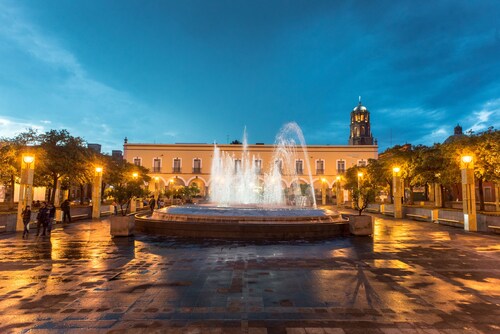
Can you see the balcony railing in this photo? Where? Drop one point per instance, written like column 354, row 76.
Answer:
column 176, row 169
column 196, row 170
column 320, row 171
column 156, row 169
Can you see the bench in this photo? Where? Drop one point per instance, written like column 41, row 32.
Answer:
column 107, row 213
column 80, row 216
column 372, row 210
column 450, row 222
column 3, row 228
column 388, row 213
column 417, row 217
column 495, row 229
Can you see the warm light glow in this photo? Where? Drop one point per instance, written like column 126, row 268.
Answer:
column 135, row 175
column 323, row 180
column 467, row 159
column 98, row 169
column 338, row 178
column 396, row 169
column 157, row 178
column 28, row 159
column 360, row 174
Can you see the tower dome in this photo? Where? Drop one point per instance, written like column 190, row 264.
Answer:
column 360, row 133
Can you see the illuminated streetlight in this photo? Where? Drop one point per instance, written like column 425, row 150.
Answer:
column 25, row 187
column 135, row 175
column 98, row 169
column 396, row 169
column 96, row 193
column 468, row 193
column 28, row 159
column 397, row 193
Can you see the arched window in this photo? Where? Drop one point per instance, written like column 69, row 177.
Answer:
column 362, row 130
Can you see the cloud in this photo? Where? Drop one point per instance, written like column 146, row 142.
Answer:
column 488, row 115
column 10, row 127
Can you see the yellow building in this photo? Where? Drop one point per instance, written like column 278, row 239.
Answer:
column 185, row 164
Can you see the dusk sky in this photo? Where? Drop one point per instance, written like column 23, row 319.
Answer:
column 199, row 71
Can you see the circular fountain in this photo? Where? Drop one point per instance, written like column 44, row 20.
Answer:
column 248, row 204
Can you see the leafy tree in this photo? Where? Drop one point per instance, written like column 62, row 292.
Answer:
column 363, row 189
column 123, row 184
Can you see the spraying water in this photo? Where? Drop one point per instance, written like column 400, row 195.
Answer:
column 240, row 180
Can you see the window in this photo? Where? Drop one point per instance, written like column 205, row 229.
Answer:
column 361, row 163
column 137, row 161
column 156, row 165
column 177, row 166
column 362, row 130
column 237, row 165
column 299, row 167
column 340, row 166
column 320, row 167
column 196, row 166
column 258, row 166
column 279, row 165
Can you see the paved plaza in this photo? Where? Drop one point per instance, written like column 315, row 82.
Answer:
column 411, row 277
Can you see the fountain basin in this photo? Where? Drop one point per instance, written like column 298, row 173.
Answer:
column 242, row 222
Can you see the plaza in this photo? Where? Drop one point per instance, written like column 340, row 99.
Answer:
column 409, row 277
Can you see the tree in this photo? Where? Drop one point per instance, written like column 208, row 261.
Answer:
column 61, row 155
column 363, row 189
column 126, row 181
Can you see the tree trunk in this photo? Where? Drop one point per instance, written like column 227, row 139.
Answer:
column 426, row 191
column 410, row 200
column 54, row 188
column 390, row 192
column 442, row 196
column 82, row 194
column 12, row 188
column 481, row 194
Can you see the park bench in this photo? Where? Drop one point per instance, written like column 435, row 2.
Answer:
column 374, row 210
column 495, row 229
column 3, row 228
column 80, row 216
column 450, row 222
column 107, row 213
column 388, row 213
column 417, row 217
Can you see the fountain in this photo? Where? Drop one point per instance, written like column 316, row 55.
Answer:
column 248, row 202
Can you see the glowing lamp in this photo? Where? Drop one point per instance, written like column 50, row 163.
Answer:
column 135, row 175
column 396, row 169
column 360, row 174
column 467, row 159
column 28, row 159
column 98, row 169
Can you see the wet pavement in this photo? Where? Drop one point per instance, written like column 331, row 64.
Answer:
column 411, row 277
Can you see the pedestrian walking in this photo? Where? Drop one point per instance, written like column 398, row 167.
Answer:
column 52, row 216
column 42, row 219
column 65, row 207
column 26, row 214
column 152, row 204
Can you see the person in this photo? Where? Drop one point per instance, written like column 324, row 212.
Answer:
column 52, row 216
column 152, row 203
column 115, row 206
column 42, row 219
column 37, row 204
column 66, row 211
column 26, row 214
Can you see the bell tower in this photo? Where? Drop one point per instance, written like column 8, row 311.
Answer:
column 360, row 126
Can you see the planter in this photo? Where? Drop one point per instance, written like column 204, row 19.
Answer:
column 121, row 226
column 361, row 225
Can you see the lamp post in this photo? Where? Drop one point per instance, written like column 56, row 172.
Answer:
column 323, row 191
column 340, row 193
column 468, row 193
column 397, row 193
column 25, row 187
column 157, row 189
column 133, row 201
column 96, row 193
column 360, row 200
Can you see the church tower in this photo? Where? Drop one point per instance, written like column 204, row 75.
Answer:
column 360, row 126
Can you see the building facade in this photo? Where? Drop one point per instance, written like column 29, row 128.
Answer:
column 361, row 133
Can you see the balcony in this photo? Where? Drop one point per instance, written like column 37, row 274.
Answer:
column 176, row 170
column 156, row 169
column 300, row 171
column 196, row 170
column 320, row 171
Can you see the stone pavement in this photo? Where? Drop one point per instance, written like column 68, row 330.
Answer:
column 411, row 277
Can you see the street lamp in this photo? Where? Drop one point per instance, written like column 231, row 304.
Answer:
column 340, row 194
column 96, row 193
column 397, row 193
column 323, row 191
column 468, row 193
column 133, row 200
column 25, row 187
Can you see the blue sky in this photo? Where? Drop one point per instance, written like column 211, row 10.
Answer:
column 199, row 71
